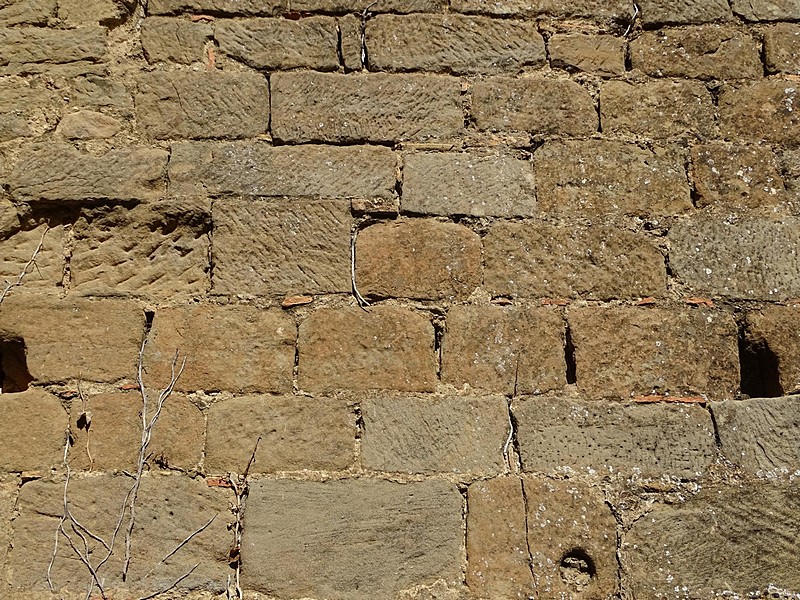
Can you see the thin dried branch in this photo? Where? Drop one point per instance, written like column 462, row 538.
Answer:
column 173, row 585
column 359, row 298
column 61, row 522
column 188, row 539
column 31, row 262
column 240, row 488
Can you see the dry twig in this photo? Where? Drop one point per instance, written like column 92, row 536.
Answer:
column 240, row 490
column 31, row 262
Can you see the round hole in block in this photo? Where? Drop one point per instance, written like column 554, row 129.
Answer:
column 577, row 569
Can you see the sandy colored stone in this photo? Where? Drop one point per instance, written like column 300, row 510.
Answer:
column 26, row 12
column 296, row 434
column 767, row 10
column 96, row 340
column 624, row 352
column 448, row 183
column 36, row 45
column 202, row 105
column 27, row 108
column 782, row 48
column 726, row 541
column 535, row 260
column 280, row 247
column 647, row 440
column 683, row 12
column 32, row 431
column 88, row 125
column 280, row 44
column 749, row 257
column 766, row 110
column 508, row 350
column 174, row 40
column 227, row 7
column 358, row 6
column 535, row 105
column 702, row 52
column 106, row 12
column 18, row 249
column 8, row 497
column 385, row 347
column 234, row 348
column 658, row 109
column 790, row 164
column 98, row 93
column 115, row 432
column 774, row 330
column 601, row 54
column 596, row 9
column 453, row 434
column 375, row 107
column 350, row 539
column 350, row 36
column 258, row 169
column 418, row 258
column 452, row 44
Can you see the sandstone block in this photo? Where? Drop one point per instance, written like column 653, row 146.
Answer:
column 782, row 48
column 750, row 257
column 234, row 348
column 535, row 105
column 418, row 258
column 766, row 110
column 88, row 125
column 350, row 539
column 650, row 440
column 392, row 6
column 454, row 434
column 351, row 47
column 174, row 40
column 683, row 12
column 774, row 330
column 18, row 249
column 452, row 44
column 279, row 247
column 790, row 164
column 767, row 10
column 96, row 340
column 32, row 431
column 596, row 9
column 657, row 109
column 383, row 348
column 508, row 350
column 39, row 45
column 100, row 93
column 202, row 105
column 227, row 7
column 576, row 178
column 8, row 498
column 601, row 54
column 622, row 352
column 309, row 107
column 160, row 249
column 281, row 44
column 110, row 13
column 706, row 546
column 54, row 171
column 702, row 52
column 26, row 12
column 450, row 183
column 541, row 260
column 257, row 169
column 27, row 108
column 296, row 434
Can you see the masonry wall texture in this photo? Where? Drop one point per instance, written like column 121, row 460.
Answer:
column 488, row 299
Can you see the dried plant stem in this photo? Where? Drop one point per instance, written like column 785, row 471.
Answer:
column 31, row 262
column 171, row 586
column 240, row 488
column 188, row 539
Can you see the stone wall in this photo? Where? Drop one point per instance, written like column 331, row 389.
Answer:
column 508, row 291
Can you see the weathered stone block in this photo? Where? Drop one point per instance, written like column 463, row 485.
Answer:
column 454, row 434
column 541, row 260
column 450, row 183
column 88, row 125
column 383, row 348
column 280, row 44
column 535, row 105
column 9, row 487
column 452, row 44
column 278, row 247
column 26, row 12
column 418, row 258
column 27, row 108
column 648, row 440
column 100, row 93
column 309, row 107
column 774, row 329
column 351, row 46
column 766, row 110
column 18, row 249
column 504, row 349
column 202, row 105
column 350, row 539
column 110, row 13
column 32, row 431
column 39, row 45
column 227, row 7
column 682, row 12
column 767, row 10
column 782, row 48
column 600, row 54
column 750, row 257
column 596, row 9
column 392, row 6
column 234, row 348
column 296, row 434
column 174, row 40
column 622, row 352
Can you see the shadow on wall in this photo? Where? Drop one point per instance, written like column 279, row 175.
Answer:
column 14, row 375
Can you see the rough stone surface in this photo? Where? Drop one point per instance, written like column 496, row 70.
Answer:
column 765, row 110
column 681, row 12
column 647, row 440
column 468, row 184
column 622, row 352
column 541, row 260
column 774, row 330
column 350, row 539
column 658, row 109
column 100, row 93
column 174, row 40
column 291, row 246
column 600, row 54
column 576, row 178
column 105, row 12
column 309, row 107
column 454, row 434
column 27, row 108
column 26, row 12
column 782, row 48
column 8, row 498
column 32, row 431
column 350, row 35
column 732, row 539
column 504, row 349
column 384, row 348
column 202, row 105
column 749, row 257
column 228, row 7
column 234, row 348
column 18, row 249
column 296, row 434
column 418, row 258
column 277, row 44
column 37, row 45
column 703, row 52
column 597, row 9
column 452, row 44
column 535, row 105
column 88, row 125
column 358, row 6
column 257, row 169
column 767, row 10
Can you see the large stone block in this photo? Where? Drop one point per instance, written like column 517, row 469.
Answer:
column 596, row 9
column 600, row 54
column 41, row 45
column 26, row 12
column 782, row 48
column 681, row 12
column 27, row 108
column 110, row 13
column 359, row 6
column 767, row 10
column 18, row 249
column 227, row 7
column 100, row 93
column 762, row 111
column 174, row 40
column 32, row 432
column 88, row 125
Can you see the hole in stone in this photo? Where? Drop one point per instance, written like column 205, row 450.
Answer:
column 14, row 375
column 569, row 357
column 577, row 569
column 758, row 366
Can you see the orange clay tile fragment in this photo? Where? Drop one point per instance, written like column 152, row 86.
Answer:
column 196, row 18
column 646, row 301
column 679, row 399
column 291, row 301
column 129, row 386
column 700, row 301
column 218, row 482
